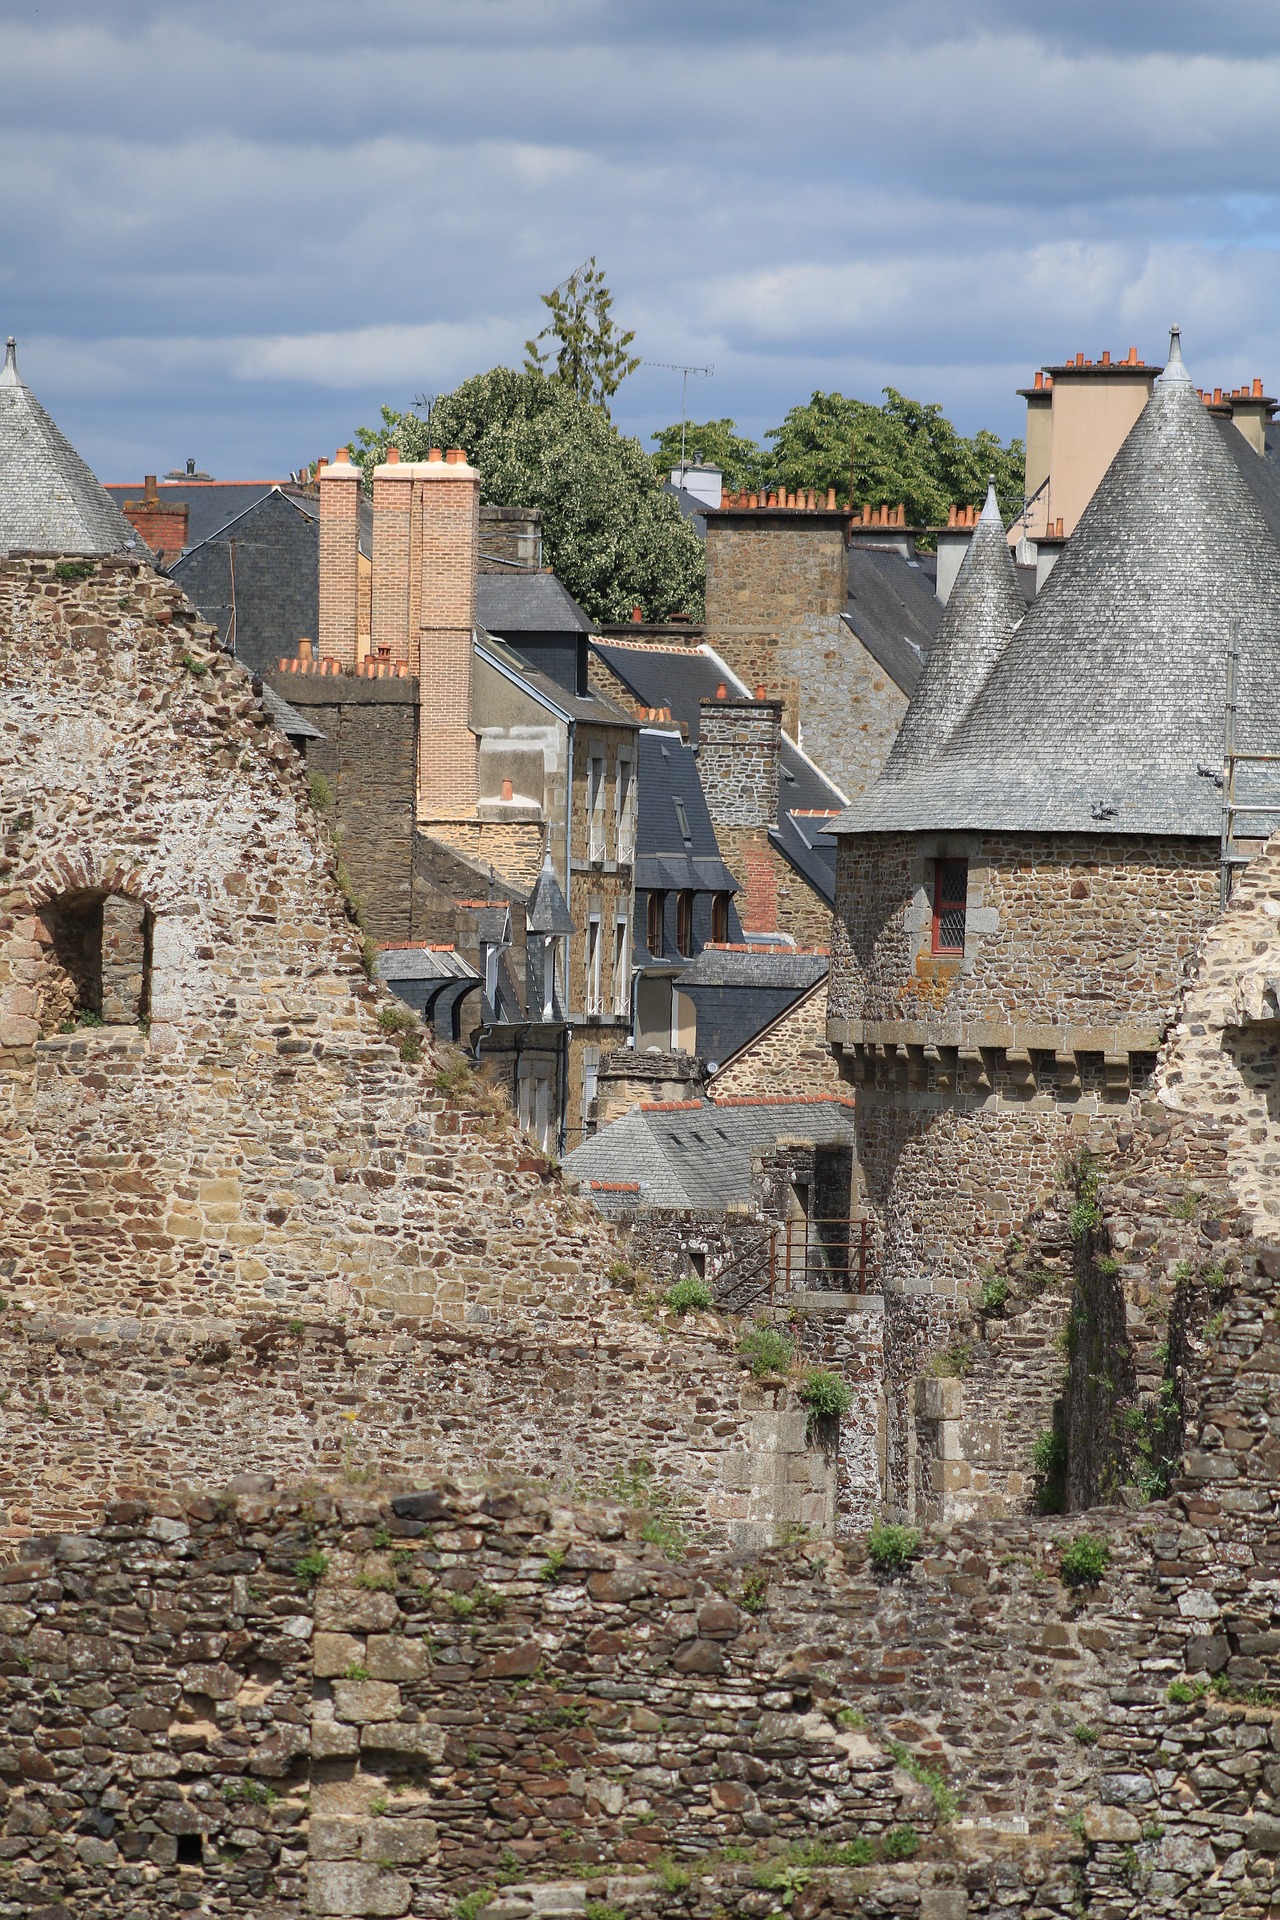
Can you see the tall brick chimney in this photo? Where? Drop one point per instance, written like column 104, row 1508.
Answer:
column 739, row 756
column 339, row 560
column 393, row 558
column 447, row 500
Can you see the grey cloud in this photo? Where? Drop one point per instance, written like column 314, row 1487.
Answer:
column 238, row 229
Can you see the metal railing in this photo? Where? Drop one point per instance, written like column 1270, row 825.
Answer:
column 797, row 1256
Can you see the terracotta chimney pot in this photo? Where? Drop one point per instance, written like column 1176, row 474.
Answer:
column 1257, row 389
column 433, row 453
column 1217, row 396
column 722, row 691
column 304, row 650
column 760, row 693
column 1106, row 357
column 637, row 616
column 831, row 499
column 393, row 457
column 320, row 467
column 1133, row 356
column 508, row 791
column 342, row 458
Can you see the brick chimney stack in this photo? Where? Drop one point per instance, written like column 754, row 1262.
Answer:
column 447, row 497
column 339, row 559
column 162, row 523
column 394, row 552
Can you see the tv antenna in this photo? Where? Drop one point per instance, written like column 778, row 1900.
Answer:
column 699, row 373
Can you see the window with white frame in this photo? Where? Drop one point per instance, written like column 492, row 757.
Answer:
column 622, row 964
column 595, row 809
column 595, row 966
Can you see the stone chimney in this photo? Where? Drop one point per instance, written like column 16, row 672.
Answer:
column 739, row 755
column 739, row 749
column 339, row 560
column 161, row 523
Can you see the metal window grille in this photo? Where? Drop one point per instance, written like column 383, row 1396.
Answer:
column 950, row 900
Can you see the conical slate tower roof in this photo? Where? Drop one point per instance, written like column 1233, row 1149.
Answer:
column 986, row 605
column 1108, row 697
column 49, row 500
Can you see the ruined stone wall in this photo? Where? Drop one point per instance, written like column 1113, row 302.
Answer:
column 330, row 1702
column 256, row 1152
column 369, row 757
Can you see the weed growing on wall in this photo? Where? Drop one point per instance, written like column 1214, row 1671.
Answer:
column 690, row 1295
column 1084, row 1561
column 766, row 1349
column 892, row 1548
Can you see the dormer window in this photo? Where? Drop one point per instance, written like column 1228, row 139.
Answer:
column 950, row 902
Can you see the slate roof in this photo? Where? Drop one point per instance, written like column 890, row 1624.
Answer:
column 213, row 504
column 738, row 992
column 700, row 1155
column 681, row 677
column 667, row 862
column 593, row 708
column 527, row 603
column 49, row 500
column 1108, row 696
column 274, row 591
column 893, row 610
column 546, row 911
column 986, row 605
column 290, row 722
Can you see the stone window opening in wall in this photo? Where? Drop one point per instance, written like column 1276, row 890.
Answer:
column 720, row 917
column 622, row 965
column 96, row 962
column 624, row 826
column 595, row 809
column 950, row 902
column 684, row 924
column 595, row 994
column 655, row 918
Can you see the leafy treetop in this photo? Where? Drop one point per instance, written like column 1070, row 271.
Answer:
column 592, row 356
column 903, row 450
column 610, row 533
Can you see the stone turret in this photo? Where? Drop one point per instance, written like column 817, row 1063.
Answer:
column 49, row 500
column 1019, row 893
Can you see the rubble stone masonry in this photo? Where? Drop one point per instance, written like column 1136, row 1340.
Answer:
column 980, row 1075
column 239, row 1228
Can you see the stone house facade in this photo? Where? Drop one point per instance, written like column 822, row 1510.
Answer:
column 1021, row 892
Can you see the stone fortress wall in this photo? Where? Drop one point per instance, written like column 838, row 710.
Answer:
column 237, row 1228
column 334, row 1701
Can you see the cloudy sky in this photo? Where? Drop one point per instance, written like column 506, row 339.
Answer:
column 231, row 230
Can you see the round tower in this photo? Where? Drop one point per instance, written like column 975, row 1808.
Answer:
column 1019, row 893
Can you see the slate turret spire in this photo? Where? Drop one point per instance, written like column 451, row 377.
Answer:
column 49, row 500
column 1107, row 698
column 985, row 606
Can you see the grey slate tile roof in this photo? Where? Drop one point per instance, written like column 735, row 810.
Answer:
column 893, row 610
column 588, row 707
column 257, row 579
column 986, row 605
column 546, row 911
column 1109, row 695
column 681, row 677
column 213, row 504
column 49, row 500
column 290, row 722
column 527, row 603
column 700, row 1155
column 736, row 994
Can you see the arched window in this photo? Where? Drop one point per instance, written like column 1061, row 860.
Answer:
column 96, row 969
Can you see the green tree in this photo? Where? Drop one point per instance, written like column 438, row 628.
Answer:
column 591, row 354
column 614, row 538
column 742, row 462
column 901, row 451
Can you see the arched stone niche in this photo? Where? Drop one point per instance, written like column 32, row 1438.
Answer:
column 94, row 960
